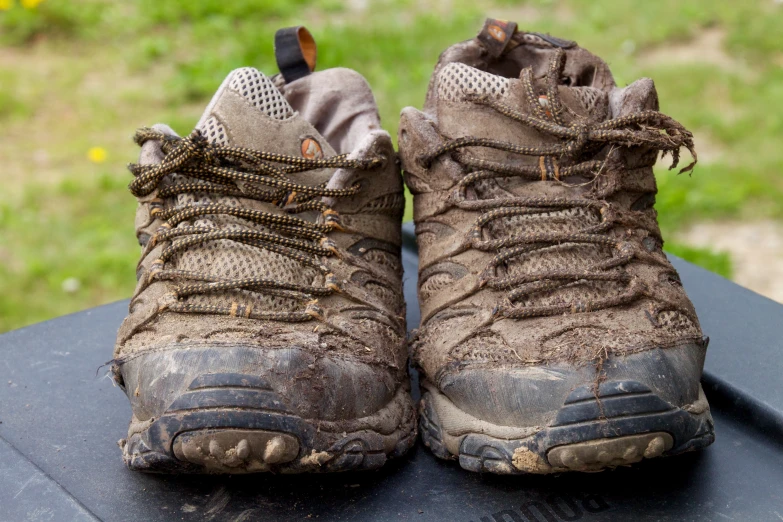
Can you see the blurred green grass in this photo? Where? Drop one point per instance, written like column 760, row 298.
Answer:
column 75, row 75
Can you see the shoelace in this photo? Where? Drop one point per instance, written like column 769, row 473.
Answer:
column 238, row 172
column 647, row 128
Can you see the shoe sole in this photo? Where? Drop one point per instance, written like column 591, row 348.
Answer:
column 233, row 423
column 620, row 425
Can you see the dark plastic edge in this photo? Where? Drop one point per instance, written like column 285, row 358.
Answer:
column 743, row 407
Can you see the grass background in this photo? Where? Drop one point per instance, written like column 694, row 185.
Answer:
column 81, row 75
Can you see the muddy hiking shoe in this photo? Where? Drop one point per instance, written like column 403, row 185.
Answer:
column 555, row 335
column 267, row 331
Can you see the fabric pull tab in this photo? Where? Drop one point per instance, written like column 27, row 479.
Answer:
column 295, row 52
column 496, row 34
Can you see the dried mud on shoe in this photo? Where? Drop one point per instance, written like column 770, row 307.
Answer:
column 555, row 334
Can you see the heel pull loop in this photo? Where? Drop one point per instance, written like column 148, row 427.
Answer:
column 295, row 52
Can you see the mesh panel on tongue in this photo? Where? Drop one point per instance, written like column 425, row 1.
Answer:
column 261, row 92
column 230, row 259
column 457, row 80
column 214, row 131
column 583, row 102
column 588, row 96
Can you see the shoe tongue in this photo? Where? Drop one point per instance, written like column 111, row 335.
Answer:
column 457, row 117
column 458, row 82
column 249, row 111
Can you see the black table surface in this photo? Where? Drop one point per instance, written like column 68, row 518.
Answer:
column 61, row 417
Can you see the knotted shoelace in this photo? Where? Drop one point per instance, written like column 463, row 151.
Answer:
column 648, row 128
column 223, row 170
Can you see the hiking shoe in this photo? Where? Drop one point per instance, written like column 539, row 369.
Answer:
column 555, row 335
column 267, row 331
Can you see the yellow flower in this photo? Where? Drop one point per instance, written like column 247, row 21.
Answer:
column 30, row 4
column 5, row 5
column 97, row 154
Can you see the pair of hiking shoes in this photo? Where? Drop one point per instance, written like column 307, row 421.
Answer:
column 267, row 330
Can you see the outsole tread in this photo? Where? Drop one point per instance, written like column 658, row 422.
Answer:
column 214, row 435
column 595, row 444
